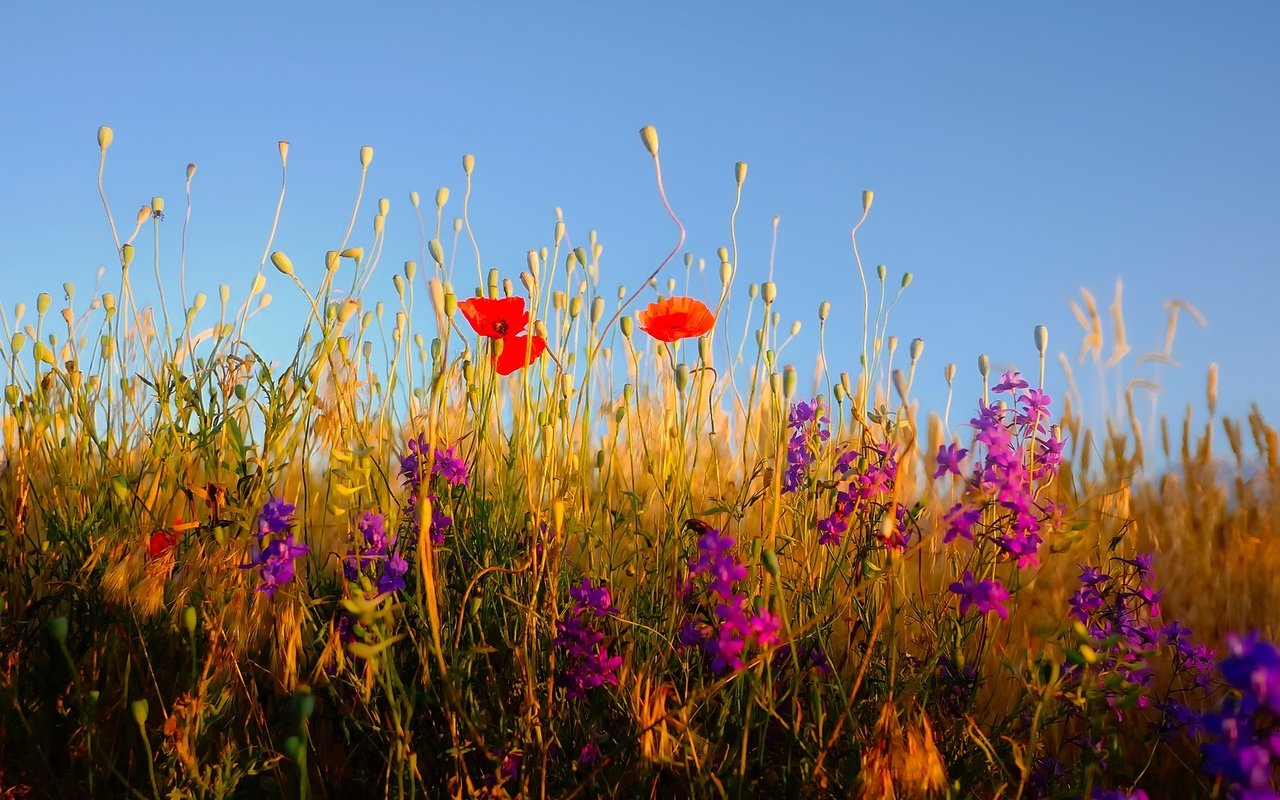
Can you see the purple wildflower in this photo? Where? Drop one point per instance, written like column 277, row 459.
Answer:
column 986, row 595
column 949, row 458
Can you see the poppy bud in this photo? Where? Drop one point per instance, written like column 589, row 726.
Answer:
column 384, row 206
column 410, row 270
column 366, row 156
column 900, row 383
column 740, row 172
column 682, row 377
column 984, row 366
column 105, row 137
column 283, row 147
column 626, row 324
column 649, row 135
column 726, row 272
column 157, row 205
column 331, row 258
column 1042, row 339
column 917, row 347
column 949, row 372
column 139, row 710
column 126, row 255
column 824, row 308
column 415, row 200
column 906, row 279
column 437, row 254
column 789, row 382
column 867, row 197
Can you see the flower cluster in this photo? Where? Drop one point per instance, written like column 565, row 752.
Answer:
column 505, row 322
column 448, row 469
column 725, row 633
column 276, row 549
column 590, row 664
column 985, row 596
column 1018, row 451
column 1243, row 744
column 375, row 555
column 871, row 474
column 810, row 429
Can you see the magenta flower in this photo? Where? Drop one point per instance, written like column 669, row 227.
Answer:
column 986, row 596
column 949, row 458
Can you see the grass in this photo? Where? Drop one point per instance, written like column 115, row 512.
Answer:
column 778, row 599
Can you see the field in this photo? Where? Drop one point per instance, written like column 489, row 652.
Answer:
column 545, row 537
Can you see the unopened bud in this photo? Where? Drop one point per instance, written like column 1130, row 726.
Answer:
column 468, row 164
column 366, row 156
column 649, row 135
column 282, row 263
column 105, row 137
column 1042, row 339
column 740, row 172
column 867, row 197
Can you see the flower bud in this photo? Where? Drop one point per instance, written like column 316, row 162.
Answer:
column 282, row 147
column 353, row 253
column 949, row 372
column 906, row 279
column 410, row 270
column 437, row 254
column 139, row 709
column 415, row 200
column 442, row 197
column 157, row 206
column 917, row 347
column 824, row 309
column 42, row 303
column 468, row 164
column 682, row 377
column 1042, row 339
column 126, row 255
column 984, row 366
column 189, row 620
column 867, row 197
column 105, row 137
column 57, row 628
column 789, row 382
column 282, row 263
column 740, row 172
column 649, row 135
column 366, row 156
column 626, row 324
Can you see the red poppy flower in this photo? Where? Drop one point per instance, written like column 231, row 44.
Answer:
column 675, row 318
column 495, row 318
column 161, row 542
column 511, row 353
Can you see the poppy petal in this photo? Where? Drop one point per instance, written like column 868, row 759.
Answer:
column 516, row 352
column 674, row 318
column 495, row 317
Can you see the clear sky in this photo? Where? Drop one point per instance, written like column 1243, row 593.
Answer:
column 1018, row 151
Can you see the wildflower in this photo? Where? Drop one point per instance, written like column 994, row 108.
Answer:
column 987, row 596
column 495, row 318
column 949, row 458
column 504, row 320
column 274, row 558
column 589, row 754
column 161, row 542
column 590, row 664
column 276, row 517
column 960, row 521
column 1010, row 381
column 448, row 465
column 675, row 318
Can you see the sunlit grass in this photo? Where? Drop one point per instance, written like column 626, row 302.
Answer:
column 142, row 441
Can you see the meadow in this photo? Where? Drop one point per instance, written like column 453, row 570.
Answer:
column 539, row 536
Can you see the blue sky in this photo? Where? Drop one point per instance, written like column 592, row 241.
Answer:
column 1018, row 151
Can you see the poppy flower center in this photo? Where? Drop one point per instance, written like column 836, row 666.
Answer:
column 501, row 327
